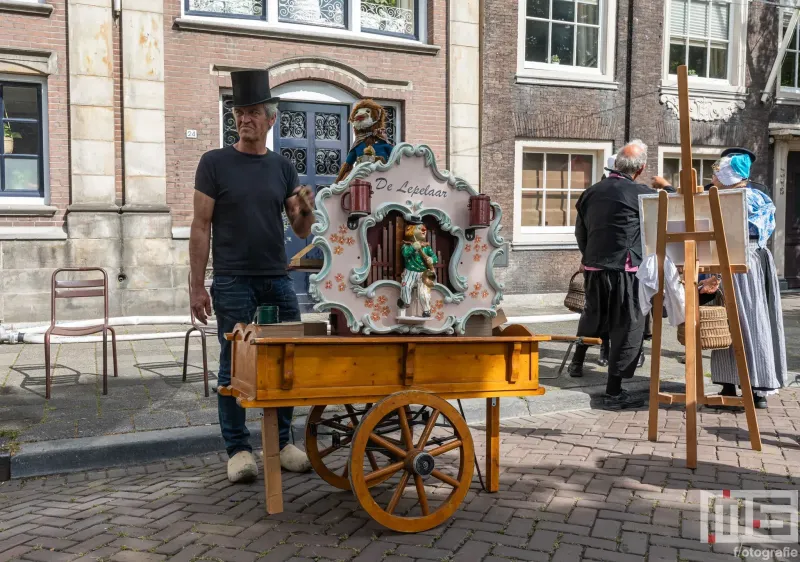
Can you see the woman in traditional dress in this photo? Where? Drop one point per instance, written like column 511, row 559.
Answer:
column 757, row 294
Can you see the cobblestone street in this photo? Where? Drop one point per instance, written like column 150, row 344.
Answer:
column 584, row 485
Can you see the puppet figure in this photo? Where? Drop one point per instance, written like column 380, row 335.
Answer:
column 418, row 273
column 369, row 121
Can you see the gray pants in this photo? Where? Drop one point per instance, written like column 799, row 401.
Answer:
column 413, row 282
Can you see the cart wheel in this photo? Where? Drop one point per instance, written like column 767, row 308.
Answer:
column 437, row 462
column 329, row 433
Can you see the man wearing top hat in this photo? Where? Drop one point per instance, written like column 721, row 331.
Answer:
column 240, row 192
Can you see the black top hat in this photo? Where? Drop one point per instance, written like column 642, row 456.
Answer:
column 413, row 219
column 739, row 150
column 251, row 87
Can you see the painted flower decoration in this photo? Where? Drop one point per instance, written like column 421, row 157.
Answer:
column 478, row 286
column 468, row 248
column 382, row 300
column 329, row 284
column 484, row 248
column 369, row 303
column 474, row 294
column 485, row 294
column 386, row 311
column 477, row 257
column 338, row 250
column 350, row 240
column 342, row 229
column 478, row 240
column 440, row 315
column 376, row 316
column 342, row 287
column 339, row 277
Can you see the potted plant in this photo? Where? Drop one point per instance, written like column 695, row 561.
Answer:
column 555, row 60
column 8, row 138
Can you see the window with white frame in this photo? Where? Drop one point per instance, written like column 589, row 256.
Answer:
column 702, row 161
column 563, row 32
column 22, row 152
column 790, row 69
column 402, row 18
column 549, row 177
column 567, row 42
column 699, row 37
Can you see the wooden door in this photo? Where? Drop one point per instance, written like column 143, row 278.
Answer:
column 315, row 138
column 792, row 264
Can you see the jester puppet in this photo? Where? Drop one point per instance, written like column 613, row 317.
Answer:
column 418, row 273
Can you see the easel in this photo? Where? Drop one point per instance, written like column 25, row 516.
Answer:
column 695, row 391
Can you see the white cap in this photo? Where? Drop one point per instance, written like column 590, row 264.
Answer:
column 611, row 162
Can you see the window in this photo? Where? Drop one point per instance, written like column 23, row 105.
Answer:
column 566, row 43
column 391, row 17
column 699, row 37
column 551, row 185
column 255, row 9
column 703, row 158
column 790, row 69
column 549, row 177
column 563, row 32
column 21, row 162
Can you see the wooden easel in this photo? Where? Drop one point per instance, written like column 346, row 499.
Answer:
column 695, row 392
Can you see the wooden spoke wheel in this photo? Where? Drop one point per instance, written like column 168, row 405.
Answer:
column 432, row 461
column 329, row 432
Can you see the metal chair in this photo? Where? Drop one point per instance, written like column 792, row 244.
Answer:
column 80, row 289
column 202, row 329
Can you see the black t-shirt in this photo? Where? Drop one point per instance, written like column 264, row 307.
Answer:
column 247, row 226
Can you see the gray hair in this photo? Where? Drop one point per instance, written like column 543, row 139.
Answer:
column 271, row 109
column 631, row 157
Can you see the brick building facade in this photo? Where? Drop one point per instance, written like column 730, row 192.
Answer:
column 112, row 103
column 566, row 83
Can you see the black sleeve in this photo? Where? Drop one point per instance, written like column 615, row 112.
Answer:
column 580, row 228
column 291, row 177
column 205, row 179
column 670, row 189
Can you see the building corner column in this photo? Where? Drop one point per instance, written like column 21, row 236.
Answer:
column 91, row 87
column 464, row 130
column 780, row 159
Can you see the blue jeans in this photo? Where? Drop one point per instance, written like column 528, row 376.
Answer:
column 235, row 300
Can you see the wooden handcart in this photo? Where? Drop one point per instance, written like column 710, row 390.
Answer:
column 381, row 424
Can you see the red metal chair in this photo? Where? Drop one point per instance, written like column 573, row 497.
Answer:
column 203, row 330
column 80, row 289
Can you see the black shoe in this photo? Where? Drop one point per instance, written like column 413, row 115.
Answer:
column 426, row 314
column 728, row 390
column 575, row 370
column 640, row 362
column 621, row 401
column 760, row 401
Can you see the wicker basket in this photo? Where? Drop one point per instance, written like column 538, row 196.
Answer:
column 576, row 295
column 714, row 330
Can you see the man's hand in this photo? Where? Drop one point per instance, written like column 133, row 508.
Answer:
column 581, row 269
column 657, row 182
column 200, row 303
column 709, row 285
column 304, row 200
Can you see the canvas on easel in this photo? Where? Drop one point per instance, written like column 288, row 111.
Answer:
column 728, row 239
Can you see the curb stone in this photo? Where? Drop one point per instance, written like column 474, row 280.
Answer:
column 96, row 453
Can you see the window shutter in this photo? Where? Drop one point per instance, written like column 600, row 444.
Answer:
column 677, row 17
column 698, row 19
column 719, row 21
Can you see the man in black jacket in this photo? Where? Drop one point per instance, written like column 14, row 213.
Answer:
column 609, row 238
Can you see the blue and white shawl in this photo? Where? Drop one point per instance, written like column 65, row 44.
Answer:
column 760, row 215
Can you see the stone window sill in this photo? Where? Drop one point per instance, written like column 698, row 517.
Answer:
column 567, row 81
column 544, row 245
column 318, row 36
column 28, row 8
column 32, row 233
column 717, row 90
column 27, row 210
